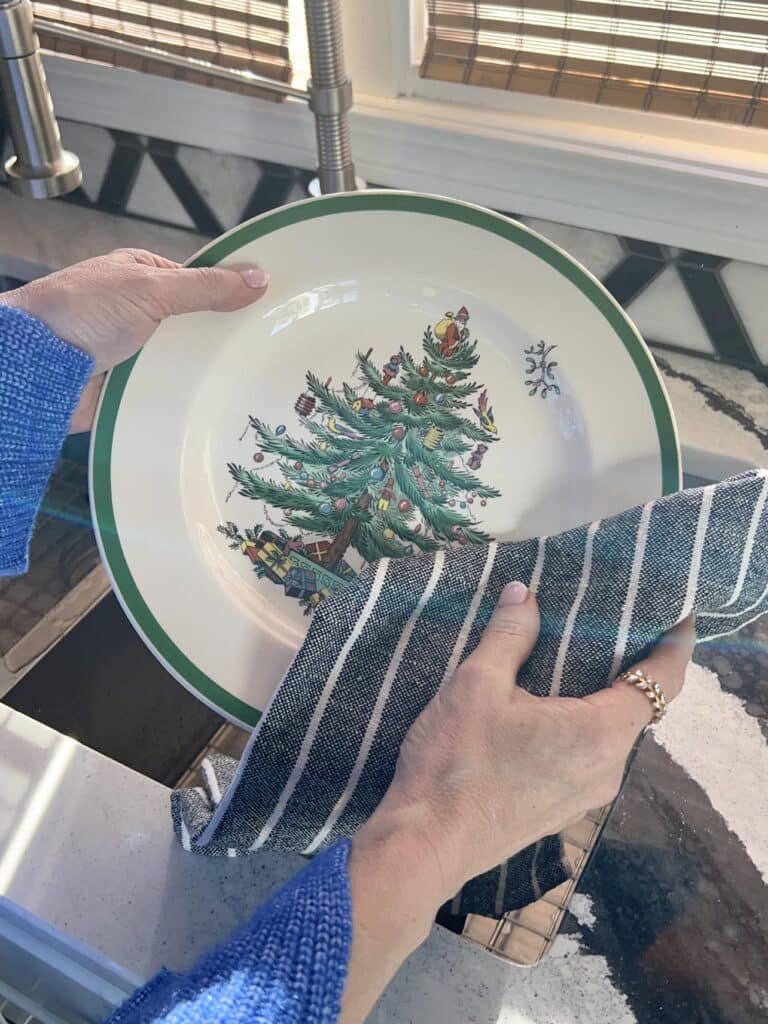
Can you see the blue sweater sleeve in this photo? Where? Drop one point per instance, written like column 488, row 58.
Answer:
column 41, row 380
column 288, row 965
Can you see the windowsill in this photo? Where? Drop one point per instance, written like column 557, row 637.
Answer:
column 688, row 184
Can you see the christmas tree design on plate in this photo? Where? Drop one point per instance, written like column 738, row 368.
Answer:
column 384, row 466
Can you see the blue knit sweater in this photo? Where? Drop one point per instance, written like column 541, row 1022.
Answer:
column 288, row 964
column 40, row 383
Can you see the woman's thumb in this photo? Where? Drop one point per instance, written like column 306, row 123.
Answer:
column 510, row 635
column 221, row 289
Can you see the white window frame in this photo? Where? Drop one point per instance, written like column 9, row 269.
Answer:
column 694, row 184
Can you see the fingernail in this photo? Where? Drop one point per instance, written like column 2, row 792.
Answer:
column 514, row 593
column 255, row 277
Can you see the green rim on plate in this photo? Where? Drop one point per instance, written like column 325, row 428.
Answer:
column 101, row 448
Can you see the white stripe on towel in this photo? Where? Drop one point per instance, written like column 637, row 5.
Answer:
column 698, row 550
column 742, row 622
column 534, row 877
column 378, row 708
column 750, row 543
column 632, row 587
column 539, row 566
column 469, row 619
column 737, row 615
column 501, row 889
column 562, row 652
column 213, row 783
column 185, row 840
column 317, row 714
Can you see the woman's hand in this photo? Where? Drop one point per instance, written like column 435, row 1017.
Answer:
column 487, row 768
column 484, row 771
column 111, row 305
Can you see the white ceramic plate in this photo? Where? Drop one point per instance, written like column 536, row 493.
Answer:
column 565, row 418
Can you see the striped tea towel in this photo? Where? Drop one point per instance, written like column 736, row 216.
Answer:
column 324, row 753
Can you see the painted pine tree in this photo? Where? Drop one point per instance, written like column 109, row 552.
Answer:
column 386, row 466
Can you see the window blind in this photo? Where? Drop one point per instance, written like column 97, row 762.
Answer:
column 246, row 35
column 696, row 58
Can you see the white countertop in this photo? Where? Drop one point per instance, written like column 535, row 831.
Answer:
column 86, row 843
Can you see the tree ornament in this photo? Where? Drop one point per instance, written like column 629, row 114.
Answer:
column 440, row 398
column 280, row 430
column 398, row 432
column 298, row 466
column 305, row 404
column 441, row 484
column 303, row 477
column 363, row 406
column 423, row 371
column 404, row 506
column 484, row 413
column 451, row 331
column 340, row 504
column 395, row 406
column 483, row 502
column 462, row 504
column 332, row 479
column 421, row 398
column 421, row 483
column 450, row 379
column 323, row 446
column 433, row 437
column 387, row 494
column 391, row 369
column 470, row 501
column 476, row 458
column 456, row 531
column 389, row 534
column 325, row 509
column 258, row 457
column 323, row 485
column 312, row 482
column 377, row 473
column 452, row 503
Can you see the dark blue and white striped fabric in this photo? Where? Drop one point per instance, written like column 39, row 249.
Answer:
column 324, row 753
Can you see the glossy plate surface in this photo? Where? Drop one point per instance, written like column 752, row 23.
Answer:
column 562, row 418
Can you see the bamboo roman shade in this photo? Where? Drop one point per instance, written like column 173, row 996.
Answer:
column 248, row 35
column 697, row 58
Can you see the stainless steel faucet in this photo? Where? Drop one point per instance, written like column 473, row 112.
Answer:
column 41, row 168
column 330, row 96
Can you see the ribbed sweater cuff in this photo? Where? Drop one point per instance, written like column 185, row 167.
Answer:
column 41, row 380
column 287, row 965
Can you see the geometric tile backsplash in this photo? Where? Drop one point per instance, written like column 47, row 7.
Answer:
column 680, row 300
